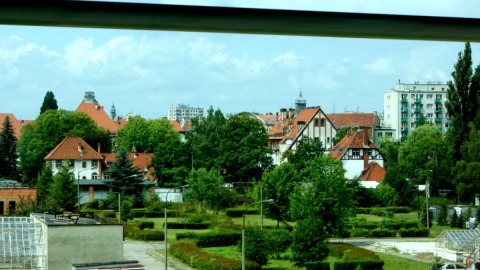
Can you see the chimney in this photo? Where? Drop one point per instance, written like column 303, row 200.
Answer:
column 283, row 114
column 98, row 148
column 365, row 136
column 291, row 113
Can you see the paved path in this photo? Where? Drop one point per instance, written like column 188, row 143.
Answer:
column 145, row 252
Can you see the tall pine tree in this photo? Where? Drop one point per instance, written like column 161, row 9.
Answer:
column 463, row 99
column 8, row 151
column 49, row 102
column 125, row 178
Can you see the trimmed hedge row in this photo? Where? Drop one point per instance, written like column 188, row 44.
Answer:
column 391, row 224
column 396, row 209
column 274, row 227
column 147, row 214
column 146, row 225
column 349, row 252
column 212, row 239
column 381, row 233
column 317, row 266
column 233, row 212
column 144, row 235
column 188, row 225
column 363, row 264
column 191, row 255
column 414, row 232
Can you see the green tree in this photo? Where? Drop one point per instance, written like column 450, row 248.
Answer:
column 442, row 215
column 137, row 132
column 463, row 100
column 45, row 181
column 342, row 132
column 8, row 151
column 306, row 150
column 426, row 146
column 48, row 130
column 125, row 178
column 320, row 206
column 386, row 195
column 206, row 187
column 277, row 184
column 63, row 191
column 421, row 121
column 364, row 197
column 127, row 208
column 454, row 219
column 423, row 216
column 467, row 170
column 203, row 140
column 244, row 156
column 257, row 247
column 49, row 102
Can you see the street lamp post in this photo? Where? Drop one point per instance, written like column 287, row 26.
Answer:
column 165, row 229
column 261, row 199
column 243, row 228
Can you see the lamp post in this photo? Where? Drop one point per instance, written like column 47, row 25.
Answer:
column 243, row 228
column 261, row 199
column 166, row 230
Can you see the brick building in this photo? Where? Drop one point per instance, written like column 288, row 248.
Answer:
column 11, row 193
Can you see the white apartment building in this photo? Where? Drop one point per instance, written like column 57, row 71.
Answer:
column 406, row 103
column 183, row 112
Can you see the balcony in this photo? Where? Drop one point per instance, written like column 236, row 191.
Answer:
column 404, row 100
column 405, row 129
column 439, row 110
column 440, row 129
column 404, row 120
column 438, row 101
column 438, row 120
column 418, row 100
column 405, row 109
column 418, row 110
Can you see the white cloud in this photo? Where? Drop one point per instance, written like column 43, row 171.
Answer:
column 381, row 66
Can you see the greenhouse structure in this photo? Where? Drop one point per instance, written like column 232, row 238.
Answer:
column 457, row 245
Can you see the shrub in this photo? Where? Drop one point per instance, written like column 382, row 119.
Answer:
column 364, row 264
column 99, row 204
column 146, row 225
column 317, row 266
column 414, row 232
column 381, row 212
column 381, row 233
column 143, row 235
column 358, row 232
column 190, row 226
column 212, row 239
column 279, row 241
column 109, row 214
column 349, row 252
column 257, row 246
column 190, row 254
column 195, row 218
column 233, row 212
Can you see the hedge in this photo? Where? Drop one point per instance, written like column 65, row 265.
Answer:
column 191, row 255
column 363, row 264
column 233, row 212
column 349, row 252
column 145, row 235
column 394, row 209
column 274, row 227
column 317, row 266
column 147, row 214
column 414, row 232
column 381, row 233
column 212, row 239
column 146, row 225
column 188, row 225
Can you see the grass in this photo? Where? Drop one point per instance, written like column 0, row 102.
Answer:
column 393, row 262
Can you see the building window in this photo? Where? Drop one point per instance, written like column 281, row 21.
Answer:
column 389, row 134
column 94, row 163
column 317, row 139
column 356, row 153
column 58, row 163
column 380, row 134
column 388, row 97
column 412, row 125
column 94, row 175
column 429, row 115
column 412, row 96
column 109, row 164
column 84, row 164
column 429, row 96
column 106, row 176
column 315, row 122
column 429, row 106
column 404, row 95
column 328, row 140
column 413, row 105
column 322, row 122
column 71, row 163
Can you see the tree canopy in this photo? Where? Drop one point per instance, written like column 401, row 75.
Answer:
column 63, row 191
column 49, row 102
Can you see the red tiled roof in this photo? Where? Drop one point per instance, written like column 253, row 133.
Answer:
column 16, row 124
column 73, row 148
column 180, row 126
column 340, row 120
column 268, row 119
column 99, row 116
column 353, row 139
column 282, row 127
column 141, row 160
column 373, row 172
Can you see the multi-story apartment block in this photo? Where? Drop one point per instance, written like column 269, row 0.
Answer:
column 183, row 112
column 407, row 103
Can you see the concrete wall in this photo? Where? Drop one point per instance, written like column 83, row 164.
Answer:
column 68, row 244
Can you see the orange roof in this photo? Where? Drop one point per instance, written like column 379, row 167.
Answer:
column 268, row 119
column 373, row 172
column 353, row 139
column 181, row 126
column 289, row 128
column 340, row 120
column 99, row 116
column 73, row 148
column 141, row 160
column 16, row 124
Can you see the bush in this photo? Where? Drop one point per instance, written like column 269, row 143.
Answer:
column 143, row 235
column 364, row 264
column 317, row 266
column 358, row 232
column 279, row 241
column 257, row 246
column 414, row 232
column 190, row 226
column 109, row 214
column 213, row 239
column 381, row 233
column 195, row 218
column 98, row 204
column 381, row 212
column 349, row 252
column 190, row 254
column 233, row 212
column 146, row 225
column 274, row 227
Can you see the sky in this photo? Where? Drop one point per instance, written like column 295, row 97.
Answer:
column 146, row 72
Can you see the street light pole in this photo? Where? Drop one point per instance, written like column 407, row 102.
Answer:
column 165, row 225
column 243, row 229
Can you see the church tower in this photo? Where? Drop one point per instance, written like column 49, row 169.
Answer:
column 113, row 112
column 300, row 104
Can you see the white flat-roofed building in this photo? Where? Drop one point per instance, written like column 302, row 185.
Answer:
column 183, row 112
